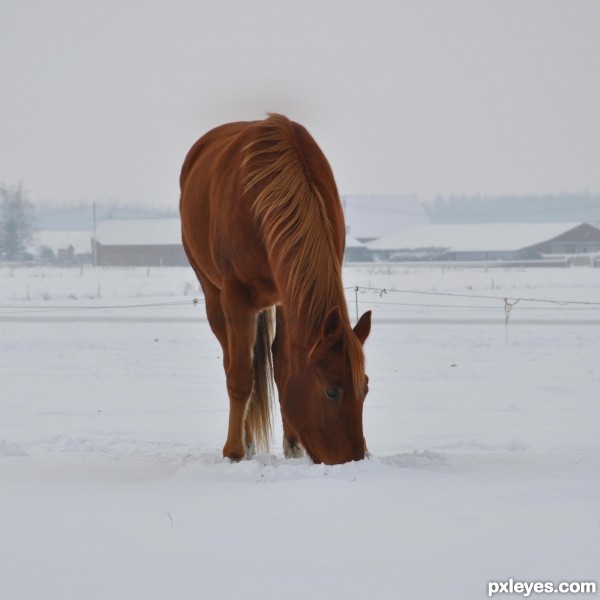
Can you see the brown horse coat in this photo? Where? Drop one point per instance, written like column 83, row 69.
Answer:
column 263, row 226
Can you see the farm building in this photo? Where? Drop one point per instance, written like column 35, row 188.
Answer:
column 139, row 242
column 355, row 251
column 484, row 242
column 157, row 242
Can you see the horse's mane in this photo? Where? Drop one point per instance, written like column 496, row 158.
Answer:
column 299, row 235
column 294, row 220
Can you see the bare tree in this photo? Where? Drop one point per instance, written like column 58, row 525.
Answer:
column 17, row 222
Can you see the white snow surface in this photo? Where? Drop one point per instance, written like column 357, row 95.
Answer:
column 485, row 453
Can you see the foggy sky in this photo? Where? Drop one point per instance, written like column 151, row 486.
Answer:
column 101, row 100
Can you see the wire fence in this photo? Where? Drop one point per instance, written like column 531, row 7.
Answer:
column 492, row 302
column 469, row 304
column 358, row 296
column 19, row 309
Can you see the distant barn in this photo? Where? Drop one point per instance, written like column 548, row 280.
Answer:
column 139, row 242
column 157, row 242
column 488, row 242
column 355, row 251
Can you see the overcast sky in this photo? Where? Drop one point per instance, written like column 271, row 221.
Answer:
column 101, row 100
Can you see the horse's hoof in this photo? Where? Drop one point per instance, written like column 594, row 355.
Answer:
column 234, row 457
column 234, row 454
column 291, row 449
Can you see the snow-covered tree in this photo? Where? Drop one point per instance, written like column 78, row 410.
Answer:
column 17, row 222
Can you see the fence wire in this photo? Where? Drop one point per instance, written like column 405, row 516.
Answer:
column 376, row 297
column 15, row 309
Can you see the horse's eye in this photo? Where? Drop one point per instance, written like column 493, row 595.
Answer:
column 333, row 393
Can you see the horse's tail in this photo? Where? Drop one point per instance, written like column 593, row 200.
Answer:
column 258, row 418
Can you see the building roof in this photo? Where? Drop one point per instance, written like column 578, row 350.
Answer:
column 371, row 217
column 139, row 232
column 497, row 237
column 153, row 232
column 352, row 242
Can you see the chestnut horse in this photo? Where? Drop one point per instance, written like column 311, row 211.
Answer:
column 262, row 227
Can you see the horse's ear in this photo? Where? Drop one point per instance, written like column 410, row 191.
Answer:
column 331, row 330
column 363, row 327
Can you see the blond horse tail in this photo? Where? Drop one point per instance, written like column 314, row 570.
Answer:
column 258, row 419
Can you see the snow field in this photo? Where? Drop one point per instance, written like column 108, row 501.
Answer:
column 485, row 453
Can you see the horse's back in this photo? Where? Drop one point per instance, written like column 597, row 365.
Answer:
column 222, row 229
column 220, row 236
column 209, row 145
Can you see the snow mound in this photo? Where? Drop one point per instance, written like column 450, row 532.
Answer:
column 271, row 468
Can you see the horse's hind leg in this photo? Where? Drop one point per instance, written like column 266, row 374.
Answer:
column 249, row 440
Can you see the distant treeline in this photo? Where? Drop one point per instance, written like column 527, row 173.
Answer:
column 564, row 207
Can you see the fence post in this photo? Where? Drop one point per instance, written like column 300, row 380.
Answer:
column 507, row 309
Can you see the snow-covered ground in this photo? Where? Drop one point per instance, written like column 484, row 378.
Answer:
column 484, row 439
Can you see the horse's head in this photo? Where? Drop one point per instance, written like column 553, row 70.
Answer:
column 323, row 398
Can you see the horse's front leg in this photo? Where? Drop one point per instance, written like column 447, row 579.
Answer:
column 241, row 333
column 281, row 362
